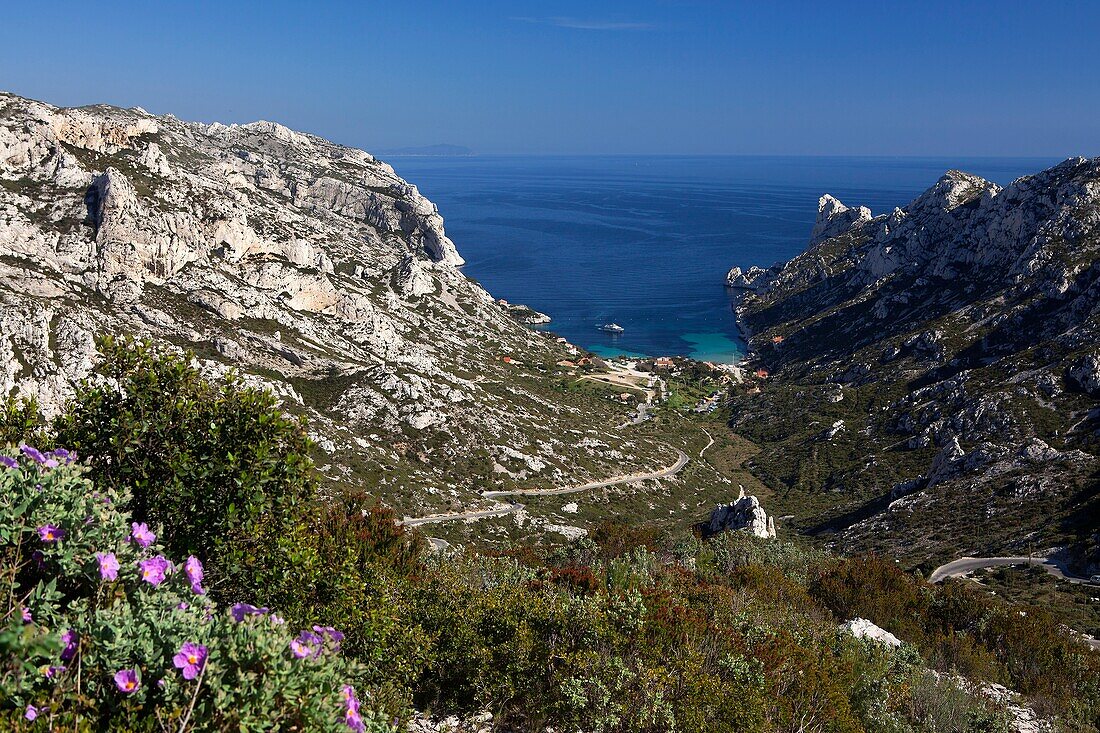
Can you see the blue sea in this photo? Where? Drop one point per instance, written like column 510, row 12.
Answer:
column 645, row 242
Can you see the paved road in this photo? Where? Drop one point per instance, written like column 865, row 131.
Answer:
column 681, row 461
column 965, row 565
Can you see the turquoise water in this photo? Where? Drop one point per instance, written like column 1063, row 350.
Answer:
column 646, row 242
column 716, row 347
column 612, row 351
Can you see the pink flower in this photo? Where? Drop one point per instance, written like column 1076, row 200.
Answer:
column 306, row 645
column 27, row 617
column 50, row 533
column 193, row 569
column 352, row 717
column 31, row 712
column 139, row 533
column 154, row 570
column 191, row 659
column 127, row 681
column 108, row 565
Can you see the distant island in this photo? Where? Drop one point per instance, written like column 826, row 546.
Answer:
column 435, row 151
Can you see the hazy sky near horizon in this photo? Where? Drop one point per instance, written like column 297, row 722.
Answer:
column 1007, row 78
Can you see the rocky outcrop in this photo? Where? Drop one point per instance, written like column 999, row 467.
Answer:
column 1085, row 374
column 861, row 628
column 834, row 219
column 743, row 514
column 307, row 266
column 966, row 322
column 750, row 279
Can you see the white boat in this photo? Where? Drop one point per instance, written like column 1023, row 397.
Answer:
column 612, row 328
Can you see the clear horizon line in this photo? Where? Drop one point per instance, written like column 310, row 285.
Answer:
column 909, row 156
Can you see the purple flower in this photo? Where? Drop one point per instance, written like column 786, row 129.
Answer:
column 39, row 559
column 352, row 718
column 31, row 712
column 108, row 565
column 181, row 606
column 52, row 671
column 8, row 462
column 33, row 453
column 190, row 659
column 348, row 693
column 63, row 455
column 27, row 617
column 242, row 610
column 71, row 640
column 154, row 570
column 50, row 533
column 331, row 633
column 306, row 645
column 127, row 681
column 139, row 533
column 193, row 569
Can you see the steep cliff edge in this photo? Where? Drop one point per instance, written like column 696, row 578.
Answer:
column 310, row 267
column 954, row 341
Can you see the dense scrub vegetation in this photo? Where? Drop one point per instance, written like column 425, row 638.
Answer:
column 630, row 630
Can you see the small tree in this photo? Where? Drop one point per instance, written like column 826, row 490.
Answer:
column 215, row 464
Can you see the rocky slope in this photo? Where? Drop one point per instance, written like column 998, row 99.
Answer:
column 310, row 267
column 938, row 368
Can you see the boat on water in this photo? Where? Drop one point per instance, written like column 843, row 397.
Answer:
column 612, row 328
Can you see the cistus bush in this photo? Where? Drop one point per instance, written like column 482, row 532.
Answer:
column 103, row 629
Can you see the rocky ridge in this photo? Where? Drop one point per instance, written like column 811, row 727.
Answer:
column 956, row 338
column 310, row 267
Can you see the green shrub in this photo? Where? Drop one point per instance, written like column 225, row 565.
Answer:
column 216, row 465
column 20, row 422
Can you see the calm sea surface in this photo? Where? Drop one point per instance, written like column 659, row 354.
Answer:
column 646, row 242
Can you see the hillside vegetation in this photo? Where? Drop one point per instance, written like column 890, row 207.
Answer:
column 351, row 622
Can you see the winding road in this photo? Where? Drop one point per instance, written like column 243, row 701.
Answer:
column 675, row 468
column 966, row 565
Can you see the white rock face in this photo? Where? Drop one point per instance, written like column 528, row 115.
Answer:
column 747, row 280
column 743, row 514
column 834, row 218
column 1086, row 374
column 861, row 628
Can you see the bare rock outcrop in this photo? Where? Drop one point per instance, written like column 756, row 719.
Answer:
column 744, row 514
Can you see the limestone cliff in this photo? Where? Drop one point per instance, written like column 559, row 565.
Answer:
column 310, row 266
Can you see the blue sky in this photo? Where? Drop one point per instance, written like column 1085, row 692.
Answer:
column 645, row 77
